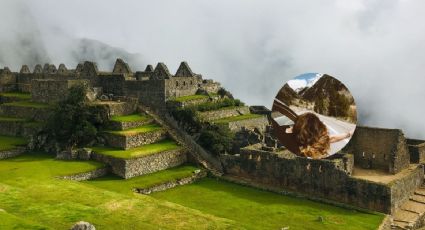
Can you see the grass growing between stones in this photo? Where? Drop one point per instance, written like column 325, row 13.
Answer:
column 29, row 191
column 137, row 130
column 125, row 186
column 130, row 118
column 237, row 118
column 190, row 98
column 7, row 142
column 30, row 104
column 19, row 95
column 143, row 150
column 256, row 209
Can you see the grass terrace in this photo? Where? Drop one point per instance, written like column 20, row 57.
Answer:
column 144, row 150
column 8, row 143
column 125, row 186
column 130, row 118
column 11, row 119
column 256, row 209
column 137, row 130
column 19, row 95
column 190, row 98
column 28, row 104
column 237, row 118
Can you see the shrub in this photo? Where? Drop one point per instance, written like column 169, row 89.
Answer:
column 73, row 122
column 217, row 139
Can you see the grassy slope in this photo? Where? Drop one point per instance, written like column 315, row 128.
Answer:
column 255, row 209
column 143, row 150
column 115, row 183
column 130, row 118
column 29, row 191
column 19, row 95
column 28, row 104
column 7, row 142
column 137, row 130
column 237, row 118
column 9, row 221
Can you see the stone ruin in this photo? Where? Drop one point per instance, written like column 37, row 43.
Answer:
column 379, row 170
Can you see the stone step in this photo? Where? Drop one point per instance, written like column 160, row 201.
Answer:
column 406, row 216
column 418, row 198
column 26, row 110
column 420, row 191
column 135, row 137
column 129, row 121
column 413, row 207
column 401, row 225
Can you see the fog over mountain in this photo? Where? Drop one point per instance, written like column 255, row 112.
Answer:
column 375, row 47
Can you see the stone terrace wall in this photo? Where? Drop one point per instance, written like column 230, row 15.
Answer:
column 127, row 168
column 260, row 123
column 377, row 148
column 224, row 112
column 150, row 92
column 7, row 81
column 132, row 141
column 325, row 179
column 30, row 113
column 403, row 188
column 86, row 175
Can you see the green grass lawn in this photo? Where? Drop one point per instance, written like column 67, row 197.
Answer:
column 190, row 98
column 29, row 191
column 7, row 142
column 143, row 150
column 130, row 118
column 137, row 130
column 125, row 186
column 256, row 209
column 28, row 104
column 19, row 95
column 237, row 118
column 12, row 119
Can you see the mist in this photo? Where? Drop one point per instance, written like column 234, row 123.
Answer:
column 374, row 47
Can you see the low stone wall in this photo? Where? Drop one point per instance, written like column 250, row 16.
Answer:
column 404, row 187
column 127, row 142
column 115, row 108
column 117, row 125
column 11, row 128
column 259, row 123
column 224, row 112
column 86, row 175
column 12, row 152
column 171, row 184
column 29, row 113
column 132, row 167
column 324, row 179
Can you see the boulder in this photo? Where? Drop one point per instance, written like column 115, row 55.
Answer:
column 83, row 225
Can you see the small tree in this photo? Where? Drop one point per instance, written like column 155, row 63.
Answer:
column 72, row 123
column 217, row 139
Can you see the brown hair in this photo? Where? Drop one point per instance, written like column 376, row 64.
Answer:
column 312, row 135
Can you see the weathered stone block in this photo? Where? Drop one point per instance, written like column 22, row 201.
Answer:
column 135, row 140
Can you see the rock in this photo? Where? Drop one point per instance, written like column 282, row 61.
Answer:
column 83, row 225
column 84, row 153
column 68, row 154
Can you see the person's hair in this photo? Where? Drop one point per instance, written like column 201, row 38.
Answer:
column 312, row 136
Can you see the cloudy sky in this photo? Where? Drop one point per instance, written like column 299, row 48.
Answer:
column 376, row 48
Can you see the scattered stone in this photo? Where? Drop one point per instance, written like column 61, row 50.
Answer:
column 83, row 225
column 84, row 153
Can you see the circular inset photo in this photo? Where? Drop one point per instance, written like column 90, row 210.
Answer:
column 314, row 115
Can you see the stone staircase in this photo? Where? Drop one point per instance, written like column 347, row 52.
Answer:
column 411, row 214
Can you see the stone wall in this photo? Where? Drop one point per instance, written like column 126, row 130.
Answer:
column 117, row 125
column 224, row 112
column 181, row 86
column 378, row 148
column 171, row 184
column 210, row 86
column 12, row 152
column 113, row 84
column 404, row 187
column 326, row 178
column 259, row 123
column 29, row 113
column 51, row 91
column 416, row 150
column 136, row 140
column 86, row 175
column 150, row 92
column 7, row 81
column 118, row 108
column 127, row 168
